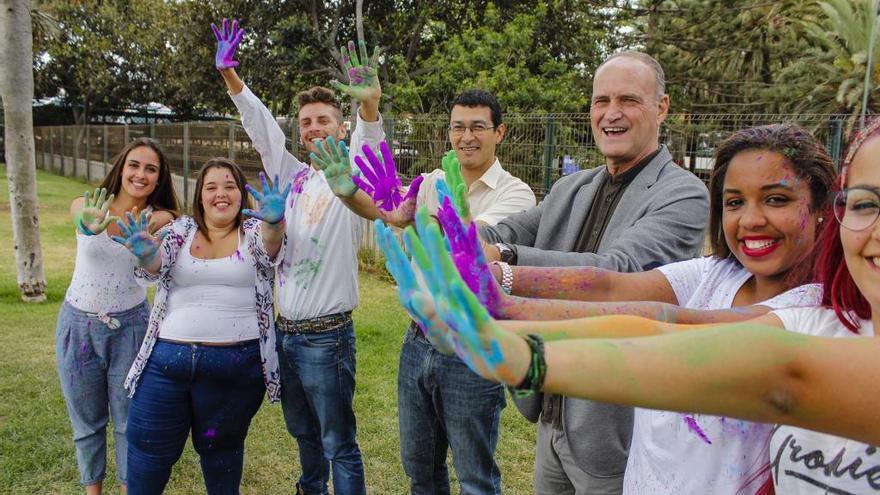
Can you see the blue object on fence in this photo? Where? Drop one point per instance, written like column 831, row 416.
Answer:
column 569, row 166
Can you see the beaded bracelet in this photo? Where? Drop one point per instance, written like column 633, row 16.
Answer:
column 537, row 372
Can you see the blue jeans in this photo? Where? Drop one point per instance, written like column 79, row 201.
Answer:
column 444, row 404
column 92, row 361
column 213, row 391
column 317, row 390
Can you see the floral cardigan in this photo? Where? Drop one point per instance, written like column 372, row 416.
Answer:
column 265, row 283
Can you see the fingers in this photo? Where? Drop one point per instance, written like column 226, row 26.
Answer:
column 120, row 240
column 217, row 34
column 225, row 25
column 340, row 87
column 376, row 167
column 366, row 169
column 346, row 59
column 365, row 187
column 362, row 46
column 106, row 205
column 286, row 191
column 107, row 221
column 251, row 213
column 388, row 158
column 264, row 184
column 234, row 29
column 253, row 192
column 374, row 60
column 353, row 54
column 414, row 187
column 100, row 194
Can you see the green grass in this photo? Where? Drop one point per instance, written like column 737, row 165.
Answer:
column 36, row 450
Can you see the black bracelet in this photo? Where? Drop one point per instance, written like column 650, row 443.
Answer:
column 537, row 372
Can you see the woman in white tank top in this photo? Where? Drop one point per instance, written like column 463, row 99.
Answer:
column 209, row 353
column 103, row 319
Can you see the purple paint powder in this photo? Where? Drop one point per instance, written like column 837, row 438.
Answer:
column 695, row 428
column 238, row 256
column 210, row 433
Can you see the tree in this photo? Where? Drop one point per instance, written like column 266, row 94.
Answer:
column 17, row 92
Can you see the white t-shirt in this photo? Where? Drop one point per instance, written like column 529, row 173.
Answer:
column 805, row 462
column 319, row 273
column 676, row 453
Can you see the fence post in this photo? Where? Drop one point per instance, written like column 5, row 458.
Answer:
column 549, row 149
column 125, row 134
column 185, row 166
column 88, row 155
column 835, row 139
column 63, row 161
column 51, row 150
column 104, row 142
column 152, row 130
column 75, row 150
column 231, row 141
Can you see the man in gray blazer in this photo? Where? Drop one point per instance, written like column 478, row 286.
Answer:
column 638, row 211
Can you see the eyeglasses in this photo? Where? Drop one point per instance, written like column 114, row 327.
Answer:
column 476, row 129
column 857, row 208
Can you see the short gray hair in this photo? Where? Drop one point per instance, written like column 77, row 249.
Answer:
column 649, row 61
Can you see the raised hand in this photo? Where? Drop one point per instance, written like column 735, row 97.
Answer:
column 332, row 159
column 478, row 340
column 398, row 264
column 136, row 237
column 467, row 253
column 272, row 201
column 362, row 72
column 94, row 216
column 227, row 42
column 452, row 171
column 381, row 182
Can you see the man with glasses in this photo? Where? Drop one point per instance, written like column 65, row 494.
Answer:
column 442, row 404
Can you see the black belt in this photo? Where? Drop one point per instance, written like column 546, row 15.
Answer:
column 313, row 325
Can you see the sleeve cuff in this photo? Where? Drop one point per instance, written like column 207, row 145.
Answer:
column 371, row 131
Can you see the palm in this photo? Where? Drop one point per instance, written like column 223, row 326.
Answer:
column 272, row 200
column 92, row 218
column 136, row 237
column 362, row 73
column 332, row 159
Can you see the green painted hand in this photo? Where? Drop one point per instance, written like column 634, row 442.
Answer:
column 94, row 216
column 362, row 72
column 452, row 170
column 332, row 159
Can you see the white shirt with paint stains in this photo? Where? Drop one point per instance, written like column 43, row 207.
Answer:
column 319, row 273
column 805, row 462
column 676, row 453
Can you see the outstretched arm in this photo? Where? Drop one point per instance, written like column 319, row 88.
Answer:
column 272, row 199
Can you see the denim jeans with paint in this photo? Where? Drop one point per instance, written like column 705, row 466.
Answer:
column 92, row 361
column 317, row 391
column 212, row 391
column 443, row 404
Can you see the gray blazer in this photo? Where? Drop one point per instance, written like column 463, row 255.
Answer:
column 661, row 218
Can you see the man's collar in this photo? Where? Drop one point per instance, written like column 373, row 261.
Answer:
column 492, row 175
column 630, row 173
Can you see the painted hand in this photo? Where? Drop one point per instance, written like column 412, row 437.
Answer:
column 136, row 237
column 362, row 72
column 467, row 254
column 94, row 216
column 332, row 159
column 452, row 171
column 272, row 201
column 478, row 340
column 227, row 42
column 380, row 181
column 398, row 264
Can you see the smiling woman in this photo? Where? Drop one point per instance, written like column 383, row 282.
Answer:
column 104, row 315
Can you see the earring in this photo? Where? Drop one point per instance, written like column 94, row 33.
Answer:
column 820, row 220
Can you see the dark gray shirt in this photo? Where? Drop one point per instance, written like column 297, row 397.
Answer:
column 604, row 203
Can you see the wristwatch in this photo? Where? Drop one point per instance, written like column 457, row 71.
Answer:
column 508, row 255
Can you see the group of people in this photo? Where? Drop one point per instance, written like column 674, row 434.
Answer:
column 585, row 305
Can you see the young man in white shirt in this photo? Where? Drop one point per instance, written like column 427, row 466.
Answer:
column 317, row 285
column 442, row 404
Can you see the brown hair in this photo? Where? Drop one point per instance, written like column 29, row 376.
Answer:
column 320, row 94
column 163, row 196
column 198, row 212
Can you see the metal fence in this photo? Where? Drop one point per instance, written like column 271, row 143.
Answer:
column 536, row 148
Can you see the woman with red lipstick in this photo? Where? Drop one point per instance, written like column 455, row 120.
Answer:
column 104, row 316
column 767, row 191
column 750, row 369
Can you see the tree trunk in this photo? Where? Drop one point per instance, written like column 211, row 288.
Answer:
column 17, row 92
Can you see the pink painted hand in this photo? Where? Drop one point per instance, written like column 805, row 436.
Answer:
column 227, row 42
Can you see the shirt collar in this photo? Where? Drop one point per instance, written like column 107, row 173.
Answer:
column 492, row 176
column 628, row 175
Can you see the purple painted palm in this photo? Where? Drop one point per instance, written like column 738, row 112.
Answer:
column 467, row 254
column 380, row 180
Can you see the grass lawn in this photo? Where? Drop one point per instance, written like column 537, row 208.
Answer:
column 36, row 450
